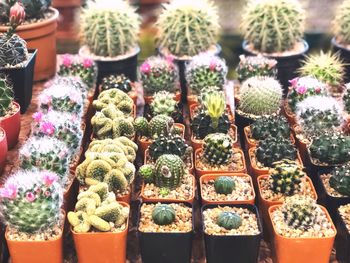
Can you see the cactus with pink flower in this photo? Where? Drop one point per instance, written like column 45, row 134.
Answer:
column 251, row 66
column 31, row 201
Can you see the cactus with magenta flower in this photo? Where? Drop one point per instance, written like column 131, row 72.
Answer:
column 6, row 96
column 251, row 66
column 31, row 201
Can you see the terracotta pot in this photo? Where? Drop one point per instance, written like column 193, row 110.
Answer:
column 149, row 99
column 200, row 173
column 67, row 24
column 311, row 250
column 89, row 246
column 208, row 177
column 41, row 36
column 12, row 127
column 291, row 117
column 125, row 198
column 30, row 251
column 3, row 149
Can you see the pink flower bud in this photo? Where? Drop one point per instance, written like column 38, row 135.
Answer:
column 9, row 191
column 87, row 63
column 47, row 193
column 67, row 60
column 17, row 14
column 294, row 82
column 301, row 90
column 49, row 178
column 212, row 65
column 37, row 116
column 145, row 68
column 318, row 90
column 30, row 197
column 47, row 128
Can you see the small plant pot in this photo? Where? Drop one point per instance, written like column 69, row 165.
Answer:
column 149, row 99
column 342, row 240
column 302, row 145
column 30, row 251
column 291, row 117
column 22, row 80
column 194, row 107
column 233, row 248
column 125, row 198
column 3, row 149
column 12, row 126
column 89, row 246
column 344, row 55
column 312, row 250
column 205, row 178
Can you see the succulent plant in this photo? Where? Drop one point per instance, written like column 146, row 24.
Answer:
column 141, row 126
column 146, row 171
column 204, row 71
column 116, row 98
column 346, row 98
column 302, row 88
column 157, row 74
column 110, row 28
column 252, row 66
column 274, row 149
column 187, row 28
column 340, row 179
column 116, row 82
column 331, row 148
column 6, row 96
column 13, row 50
column 341, row 23
column 270, row 126
column 326, row 67
column 34, row 9
column 97, row 209
column 163, row 103
column 224, row 185
column 272, row 25
column 217, row 149
column 31, row 201
column 163, row 214
column 75, row 82
column 229, row 220
column 260, row 96
column 160, row 125
column 286, row 177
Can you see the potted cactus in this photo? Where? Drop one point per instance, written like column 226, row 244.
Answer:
column 31, row 208
column 227, row 189
column 15, row 59
column 275, row 29
column 299, row 226
column 99, row 223
column 187, row 28
column 10, row 118
column 38, row 30
column 3, row 149
column 343, row 234
column 165, row 232
column 114, row 48
column 231, row 232
column 218, row 156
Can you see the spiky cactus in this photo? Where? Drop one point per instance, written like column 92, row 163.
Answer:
column 31, row 201
column 224, row 185
column 206, row 70
column 116, row 98
column 6, row 96
column 251, row 66
column 273, row 25
column 13, row 50
column 229, row 220
column 163, row 103
column 141, row 126
column 157, row 74
column 260, row 96
column 346, row 98
column 116, row 82
column 217, row 149
column 187, row 28
column 160, row 125
column 341, row 23
column 270, row 126
column 75, row 82
column 340, row 179
column 163, row 214
column 274, row 149
column 110, row 28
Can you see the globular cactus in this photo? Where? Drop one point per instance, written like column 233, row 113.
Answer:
column 116, row 82
column 326, row 67
column 340, row 179
column 163, row 214
column 260, row 96
column 75, row 82
column 36, row 9
column 274, row 149
column 31, row 201
column 217, row 149
column 206, row 70
column 286, row 177
column 163, row 103
column 302, row 88
column 187, row 28
column 160, row 125
column 110, row 28
column 270, row 126
column 147, row 173
column 299, row 212
column 6, row 96
column 272, row 26
column 229, row 220
column 141, row 126
column 341, row 23
column 224, row 185
column 157, row 74
column 346, row 98
column 13, row 50
column 252, row 66
column 331, row 148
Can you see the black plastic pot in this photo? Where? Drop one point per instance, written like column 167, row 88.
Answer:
column 233, row 249
column 344, row 55
column 342, row 240
column 286, row 65
column 22, row 80
column 166, row 247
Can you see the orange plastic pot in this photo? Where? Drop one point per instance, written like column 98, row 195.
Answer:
column 3, row 149
column 149, row 99
column 30, row 251
column 302, row 146
column 200, row 172
column 291, row 117
column 195, row 106
column 67, row 24
column 12, row 126
column 125, row 198
column 101, row 247
column 41, row 36
column 208, row 177
column 310, row 250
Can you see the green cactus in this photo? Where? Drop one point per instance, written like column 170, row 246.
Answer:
column 6, row 96
column 217, row 149
column 110, row 28
column 141, row 126
column 163, row 104
column 116, row 82
column 224, row 185
column 36, row 8
column 346, row 98
column 160, row 125
column 260, row 96
column 188, row 28
column 147, row 173
column 251, row 66
column 163, row 214
column 13, row 50
column 272, row 25
column 270, row 126
column 229, row 220
column 340, row 179
column 341, row 23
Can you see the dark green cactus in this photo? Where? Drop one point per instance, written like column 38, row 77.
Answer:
column 251, row 66
column 13, row 50
column 141, row 126
column 147, row 173
column 340, row 179
column 116, row 82
column 171, row 144
column 160, row 125
column 169, row 171
column 36, row 8
column 217, row 149
column 224, row 185
column 6, row 96
column 229, row 220
column 163, row 214
column 270, row 126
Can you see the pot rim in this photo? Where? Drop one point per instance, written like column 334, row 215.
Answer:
column 325, row 171
column 16, row 112
column 32, row 52
column 337, row 44
column 108, row 59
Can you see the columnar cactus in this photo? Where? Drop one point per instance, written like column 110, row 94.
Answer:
column 163, row 103
column 251, row 66
column 270, row 126
column 187, row 28
column 272, row 25
column 340, row 179
column 116, row 98
column 117, row 82
column 217, row 149
column 224, row 185
column 229, row 220
column 163, row 214
column 31, row 201
column 117, row 25
column 6, row 96
column 341, row 23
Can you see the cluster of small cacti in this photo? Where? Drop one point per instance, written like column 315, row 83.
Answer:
column 341, row 23
column 217, row 149
column 251, row 66
column 340, row 179
column 270, row 126
column 157, row 126
column 6, row 96
column 204, row 71
column 163, row 103
column 116, row 98
column 116, row 82
column 97, row 209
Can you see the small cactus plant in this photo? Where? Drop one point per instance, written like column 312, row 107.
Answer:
column 117, row 25
column 117, row 82
column 251, row 66
column 187, row 28
column 229, row 220
column 160, row 125
column 270, row 126
column 163, row 103
column 163, row 214
column 340, row 179
column 6, row 97
column 346, row 98
column 341, row 23
column 224, row 185
column 272, row 25
column 217, row 149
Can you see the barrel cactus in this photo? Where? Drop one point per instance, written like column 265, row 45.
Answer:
column 217, row 149
column 160, row 125
column 163, row 214
column 224, row 185
column 229, row 220
column 251, row 66
column 270, row 126
column 340, row 179
column 6, row 96
column 117, row 82
column 341, row 23
column 163, row 103
column 13, row 50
